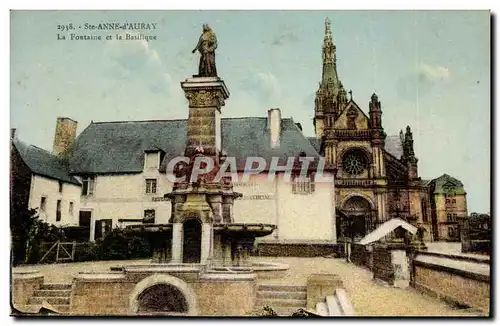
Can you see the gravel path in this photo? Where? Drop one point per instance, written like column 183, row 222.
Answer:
column 368, row 297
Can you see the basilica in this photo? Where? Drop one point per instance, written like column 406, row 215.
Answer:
column 376, row 175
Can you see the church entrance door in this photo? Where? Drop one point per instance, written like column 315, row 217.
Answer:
column 356, row 218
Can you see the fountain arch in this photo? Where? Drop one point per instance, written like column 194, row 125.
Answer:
column 178, row 297
column 192, row 229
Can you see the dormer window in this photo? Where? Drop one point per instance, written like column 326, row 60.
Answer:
column 152, row 160
column 88, row 185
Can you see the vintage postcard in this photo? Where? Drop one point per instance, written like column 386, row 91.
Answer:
column 250, row 163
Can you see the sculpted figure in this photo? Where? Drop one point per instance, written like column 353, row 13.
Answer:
column 206, row 46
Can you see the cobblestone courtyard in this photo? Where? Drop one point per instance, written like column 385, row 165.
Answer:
column 369, row 298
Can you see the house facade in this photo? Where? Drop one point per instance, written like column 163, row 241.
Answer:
column 41, row 181
column 120, row 176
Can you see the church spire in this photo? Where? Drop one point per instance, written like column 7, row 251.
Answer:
column 329, row 77
column 331, row 97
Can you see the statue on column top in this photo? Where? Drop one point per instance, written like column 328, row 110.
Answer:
column 206, row 46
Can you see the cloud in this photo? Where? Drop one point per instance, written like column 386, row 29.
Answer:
column 436, row 73
column 183, row 61
column 132, row 55
column 264, row 86
column 136, row 60
column 421, row 81
column 284, row 37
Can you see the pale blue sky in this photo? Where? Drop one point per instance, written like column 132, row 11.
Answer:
column 431, row 71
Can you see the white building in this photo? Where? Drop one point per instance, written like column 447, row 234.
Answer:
column 118, row 169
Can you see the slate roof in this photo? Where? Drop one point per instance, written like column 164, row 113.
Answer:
column 315, row 142
column 447, row 184
column 393, row 146
column 118, row 147
column 44, row 163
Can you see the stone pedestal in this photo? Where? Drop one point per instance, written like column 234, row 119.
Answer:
column 206, row 95
column 391, row 264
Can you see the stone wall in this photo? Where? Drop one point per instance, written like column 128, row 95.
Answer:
column 225, row 297
column 207, row 294
column 382, row 264
column 300, row 249
column 456, row 286
column 24, row 286
column 362, row 255
column 106, row 295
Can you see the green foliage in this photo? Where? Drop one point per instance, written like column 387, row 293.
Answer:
column 28, row 233
column 267, row 311
column 117, row 245
column 86, row 251
column 264, row 312
column 139, row 248
column 114, row 246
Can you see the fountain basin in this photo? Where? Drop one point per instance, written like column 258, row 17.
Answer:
column 244, row 230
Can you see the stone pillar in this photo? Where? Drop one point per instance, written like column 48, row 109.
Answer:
column 206, row 96
column 401, row 267
column 218, row 251
column 216, row 204
column 391, row 264
column 227, row 253
column 177, row 243
column 206, row 242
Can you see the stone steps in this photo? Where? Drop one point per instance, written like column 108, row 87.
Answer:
column 335, row 305
column 56, row 286
column 50, row 300
column 281, row 302
column 52, row 293
column 58, row 295
column 283, row 299
column 281, row 287
column 281, row 295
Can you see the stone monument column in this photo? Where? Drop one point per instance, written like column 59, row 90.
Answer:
column 206, row 96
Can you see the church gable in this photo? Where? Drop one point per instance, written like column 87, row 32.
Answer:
column 352, row 117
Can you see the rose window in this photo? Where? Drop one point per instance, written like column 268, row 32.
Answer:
column 354, row 162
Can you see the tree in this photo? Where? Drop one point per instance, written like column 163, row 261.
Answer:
column 28, row 232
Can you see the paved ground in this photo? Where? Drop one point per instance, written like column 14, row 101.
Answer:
column 64, row 273
column 368, row 297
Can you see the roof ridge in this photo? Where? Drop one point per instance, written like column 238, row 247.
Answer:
column 136, row 121
column 183, row 119
column 43, row 149
column 34, row 146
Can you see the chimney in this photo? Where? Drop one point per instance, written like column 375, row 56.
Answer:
column 13, row 133
column 65, row 135
column 274, row 126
